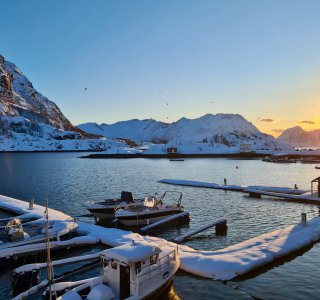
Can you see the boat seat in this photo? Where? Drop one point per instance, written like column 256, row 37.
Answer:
column 126, row 196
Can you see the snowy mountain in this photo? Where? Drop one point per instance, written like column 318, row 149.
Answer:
column 298, row 137
column 209, row 132
column 30, row 121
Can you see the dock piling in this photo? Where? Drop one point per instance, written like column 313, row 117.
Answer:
column 303, row 219
column 221, row 228
column 31, row 204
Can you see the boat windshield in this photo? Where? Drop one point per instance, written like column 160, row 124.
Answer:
column 150, row 201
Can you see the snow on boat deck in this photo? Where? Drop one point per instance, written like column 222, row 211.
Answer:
column 224, row 264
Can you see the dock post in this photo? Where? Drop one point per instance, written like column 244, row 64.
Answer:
column 303, row 219
column 254, row 195
column 221, row 228
column 225, row 181
column 31, row 204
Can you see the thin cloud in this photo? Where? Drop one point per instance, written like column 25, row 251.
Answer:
column 306, row 122
column 267, row 120
column 279, row 130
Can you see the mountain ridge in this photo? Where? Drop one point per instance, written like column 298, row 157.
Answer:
column 298, row 137
column 227, row 130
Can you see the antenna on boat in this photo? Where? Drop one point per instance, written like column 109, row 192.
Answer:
column 49, row 263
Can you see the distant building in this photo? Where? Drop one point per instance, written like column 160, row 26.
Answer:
column 245, row 148
column 172, row 150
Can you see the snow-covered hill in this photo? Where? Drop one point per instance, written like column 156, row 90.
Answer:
column 221, row 132
column 29, row 121
column 298, row 137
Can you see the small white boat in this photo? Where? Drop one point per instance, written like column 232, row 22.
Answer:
column 15, row 233
column 105, row 210
column 152, row 211
column 131, row 271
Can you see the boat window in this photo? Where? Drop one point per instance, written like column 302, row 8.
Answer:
column 114, row 265
column 138, row 266
column 153, row 259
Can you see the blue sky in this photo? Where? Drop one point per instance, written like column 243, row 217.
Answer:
column 169, row 59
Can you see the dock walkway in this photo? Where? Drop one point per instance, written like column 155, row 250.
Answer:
column 281, row 193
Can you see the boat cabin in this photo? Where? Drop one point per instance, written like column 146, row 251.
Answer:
column 134, row 269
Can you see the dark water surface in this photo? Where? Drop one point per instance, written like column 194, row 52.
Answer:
column 69, row 182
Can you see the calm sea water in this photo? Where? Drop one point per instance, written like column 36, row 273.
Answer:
column 69, row 182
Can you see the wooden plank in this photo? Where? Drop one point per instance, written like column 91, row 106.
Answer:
column 183, row 237
column 164, row 221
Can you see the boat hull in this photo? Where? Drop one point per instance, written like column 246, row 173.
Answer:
column 103, row 213
column 145, row 218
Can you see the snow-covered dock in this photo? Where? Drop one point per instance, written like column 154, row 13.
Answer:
column 281, row 193
column 303, row 198
column 223, row 264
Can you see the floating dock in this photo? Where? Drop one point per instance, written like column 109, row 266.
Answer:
column 281, row 193
column 224, row 264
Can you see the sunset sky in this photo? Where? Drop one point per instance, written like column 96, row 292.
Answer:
column 169, row 59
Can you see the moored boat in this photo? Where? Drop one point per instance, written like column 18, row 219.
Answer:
column 152, row 211
column 137, row 270
column 15, row 233
column 105, row 210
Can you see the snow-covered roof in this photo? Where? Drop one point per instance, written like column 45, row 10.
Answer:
column 131, row 252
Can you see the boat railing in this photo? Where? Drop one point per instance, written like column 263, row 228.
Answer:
column 146, row 273
column 172, row 192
